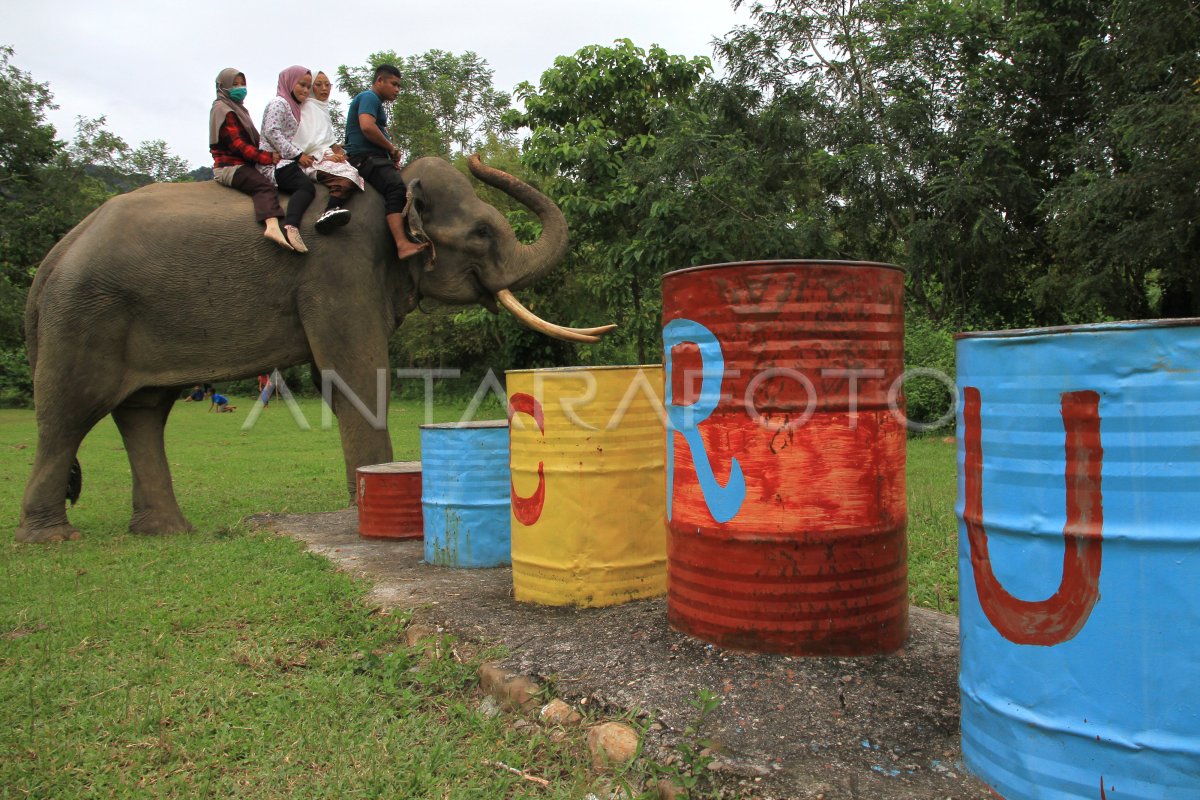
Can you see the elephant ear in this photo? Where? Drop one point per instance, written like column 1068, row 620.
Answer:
column 414, row 193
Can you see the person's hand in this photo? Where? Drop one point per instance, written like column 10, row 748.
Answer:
column 306, row 160
column 274, row 158
column 337, row 158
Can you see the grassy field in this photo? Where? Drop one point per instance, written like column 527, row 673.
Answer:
column 231, row 662
column 932, row 526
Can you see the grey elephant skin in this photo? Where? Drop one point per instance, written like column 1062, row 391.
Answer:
column 173, row 285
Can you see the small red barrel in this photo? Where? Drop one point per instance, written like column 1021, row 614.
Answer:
column 389, row 501
column 785, row 457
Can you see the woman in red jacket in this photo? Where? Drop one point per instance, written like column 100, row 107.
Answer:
column 233, row 142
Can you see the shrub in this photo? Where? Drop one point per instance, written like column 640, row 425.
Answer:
column 928, row 346
column 16, row 381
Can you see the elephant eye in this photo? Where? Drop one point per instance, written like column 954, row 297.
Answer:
column 482, row 231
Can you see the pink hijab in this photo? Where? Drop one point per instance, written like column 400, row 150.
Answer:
column 287, row 79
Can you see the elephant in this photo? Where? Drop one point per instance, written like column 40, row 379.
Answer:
column 171, row 286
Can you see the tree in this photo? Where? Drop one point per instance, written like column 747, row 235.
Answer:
column 1125, row 221
column 446, row 105
column 593, row 116
column 154, row 158
column 1030, row 163
column 946, row 123
column 26, row 139
column 43, row 191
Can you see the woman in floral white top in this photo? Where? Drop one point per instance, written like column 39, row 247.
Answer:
column 317, row 137
column 280, row 120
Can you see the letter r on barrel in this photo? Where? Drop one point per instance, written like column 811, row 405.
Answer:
column 723, row 502
column 528, row 510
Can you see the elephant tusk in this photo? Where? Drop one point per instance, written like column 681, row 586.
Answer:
column 600, row 331
column 531, row 320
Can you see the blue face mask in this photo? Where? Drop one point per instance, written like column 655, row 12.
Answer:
column 238, row 93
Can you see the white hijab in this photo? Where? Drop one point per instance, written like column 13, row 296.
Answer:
column 315, row 134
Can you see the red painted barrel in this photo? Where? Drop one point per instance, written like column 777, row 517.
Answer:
column 389, row 501
column 785, row 456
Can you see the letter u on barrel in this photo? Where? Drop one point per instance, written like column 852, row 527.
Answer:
column 1078, row 596
column 1060, row 616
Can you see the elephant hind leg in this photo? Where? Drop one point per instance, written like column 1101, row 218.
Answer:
column 51, row 534
column 141, row 419
column 43, row 509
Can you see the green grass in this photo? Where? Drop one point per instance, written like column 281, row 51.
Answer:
column 231, row 662
column 932, row 525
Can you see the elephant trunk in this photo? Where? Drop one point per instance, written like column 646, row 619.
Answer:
column 530, row 261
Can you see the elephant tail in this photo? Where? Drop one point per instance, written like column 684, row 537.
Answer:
column 75, row 482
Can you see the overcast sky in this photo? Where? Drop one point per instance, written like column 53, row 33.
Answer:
column 149, row 67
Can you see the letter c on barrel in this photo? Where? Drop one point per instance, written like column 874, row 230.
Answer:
column 1062, row 615
column 527, row 510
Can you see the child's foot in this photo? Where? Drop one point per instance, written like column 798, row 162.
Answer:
column 293, row 238
column 408, row 249
column 273, row 233
column 333, row 218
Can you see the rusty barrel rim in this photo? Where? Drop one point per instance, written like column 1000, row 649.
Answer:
column 597, row 368
column 481, row 425
column 782, row 262
column 394, row 467
column 1094, row 327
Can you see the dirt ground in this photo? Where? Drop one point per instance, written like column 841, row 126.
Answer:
column 878, row 728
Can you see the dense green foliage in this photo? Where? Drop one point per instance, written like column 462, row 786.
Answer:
column 1030, row 163
column 447, row 103
column 656, row 169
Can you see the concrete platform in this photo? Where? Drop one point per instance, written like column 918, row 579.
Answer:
column 878, row 728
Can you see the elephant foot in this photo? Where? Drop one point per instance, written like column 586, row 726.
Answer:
column 47, row 535
column 157, row 523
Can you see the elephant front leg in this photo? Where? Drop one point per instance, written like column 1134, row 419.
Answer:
column 359, row 398
column 141, row 420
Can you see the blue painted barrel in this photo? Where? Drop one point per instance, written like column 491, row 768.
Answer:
column 465, row 494
column 1079, row 560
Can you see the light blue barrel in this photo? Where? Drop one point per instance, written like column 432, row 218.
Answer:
column 1079, row 560
column 465, row 494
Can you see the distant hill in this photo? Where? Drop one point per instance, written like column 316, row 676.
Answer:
column 120, row 182
column 115, row 180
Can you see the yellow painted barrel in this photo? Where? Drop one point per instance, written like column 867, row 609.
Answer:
column 587, row 451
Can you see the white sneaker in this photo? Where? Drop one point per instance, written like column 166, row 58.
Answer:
column 333, row 218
